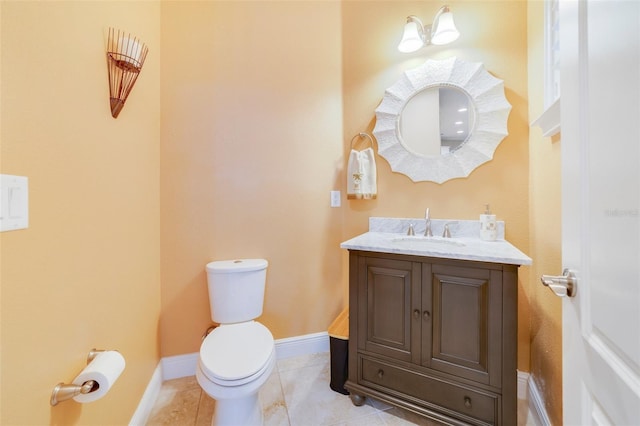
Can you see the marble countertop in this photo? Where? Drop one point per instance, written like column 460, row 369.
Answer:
column 389, row 235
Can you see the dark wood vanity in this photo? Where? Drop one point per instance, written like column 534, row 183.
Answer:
column 436, row 336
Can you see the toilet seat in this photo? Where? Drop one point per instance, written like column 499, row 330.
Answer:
column 235, row 354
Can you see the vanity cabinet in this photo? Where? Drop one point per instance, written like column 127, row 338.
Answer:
column 435, row 336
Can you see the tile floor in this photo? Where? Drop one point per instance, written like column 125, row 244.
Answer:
column 296, row 394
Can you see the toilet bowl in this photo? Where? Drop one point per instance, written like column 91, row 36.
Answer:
column 237, row 357
column 235, row 361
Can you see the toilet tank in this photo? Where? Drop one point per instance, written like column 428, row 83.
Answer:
column 236, row 289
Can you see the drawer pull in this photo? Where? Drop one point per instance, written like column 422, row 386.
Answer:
column 467, row 402
column 426, row 315
column 380, row 373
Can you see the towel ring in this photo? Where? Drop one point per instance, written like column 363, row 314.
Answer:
column 362, row 135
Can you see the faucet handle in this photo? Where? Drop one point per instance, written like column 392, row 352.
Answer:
column 446, row 233
column 411, row 231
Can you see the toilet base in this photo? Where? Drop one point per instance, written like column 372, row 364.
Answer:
column 240, row 411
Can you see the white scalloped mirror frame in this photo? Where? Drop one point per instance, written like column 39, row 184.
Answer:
column 491, row 114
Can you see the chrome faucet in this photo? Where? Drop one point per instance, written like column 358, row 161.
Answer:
column 427, row 230
column 410, row 231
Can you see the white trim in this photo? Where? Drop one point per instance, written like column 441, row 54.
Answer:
column 148, row 399
column 551, row 52
column 536, row 404
column 549, row 121
column 175, row 367
column 302, row 345
column 527, row 390
column 523, row 390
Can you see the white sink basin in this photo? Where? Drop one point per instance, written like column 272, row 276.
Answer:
column 418, row 241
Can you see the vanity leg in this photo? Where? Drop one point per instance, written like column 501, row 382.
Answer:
column 357, row 400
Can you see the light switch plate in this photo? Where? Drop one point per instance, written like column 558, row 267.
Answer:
column 335, row 198
column 14, row 202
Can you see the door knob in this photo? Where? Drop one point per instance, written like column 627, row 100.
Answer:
column 562, row 285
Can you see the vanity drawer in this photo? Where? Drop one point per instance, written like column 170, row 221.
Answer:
column 460, row 400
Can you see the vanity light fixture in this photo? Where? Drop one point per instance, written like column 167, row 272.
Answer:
column 442, row 31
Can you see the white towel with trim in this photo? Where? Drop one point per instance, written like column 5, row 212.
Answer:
column 361, row 175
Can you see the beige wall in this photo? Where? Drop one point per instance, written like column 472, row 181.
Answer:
column 86, row 272
column 251, row 146
column 493, row 33
column 545, row 232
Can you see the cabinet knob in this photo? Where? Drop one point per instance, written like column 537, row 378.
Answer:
column 426, row 315
column 380, row 373
column 416, row 313
column 467, row 402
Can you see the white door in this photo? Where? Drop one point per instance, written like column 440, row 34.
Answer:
column 600, row 86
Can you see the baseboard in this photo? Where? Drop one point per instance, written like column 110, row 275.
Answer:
column 148, row 399
column 536, row 404
column 302, row 345
column 527, row 390
column 175, row 367
column 523, row 387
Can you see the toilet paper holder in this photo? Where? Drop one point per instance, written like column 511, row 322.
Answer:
column 63, row 391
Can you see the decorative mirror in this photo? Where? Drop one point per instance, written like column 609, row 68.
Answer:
column 441, row 120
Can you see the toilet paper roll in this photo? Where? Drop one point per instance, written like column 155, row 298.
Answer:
column 104, row 369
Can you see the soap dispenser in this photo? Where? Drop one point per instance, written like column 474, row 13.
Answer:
column 488, row 225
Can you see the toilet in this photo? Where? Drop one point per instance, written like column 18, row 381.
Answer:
column 238, row 356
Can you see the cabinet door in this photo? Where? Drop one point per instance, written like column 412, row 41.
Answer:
column 388, row 314
column 465, row 322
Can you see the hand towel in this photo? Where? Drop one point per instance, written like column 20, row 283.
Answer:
column 361, row 175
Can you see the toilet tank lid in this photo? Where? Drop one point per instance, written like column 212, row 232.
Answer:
column 238, row 265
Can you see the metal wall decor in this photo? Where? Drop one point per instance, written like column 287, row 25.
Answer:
column 125, row 57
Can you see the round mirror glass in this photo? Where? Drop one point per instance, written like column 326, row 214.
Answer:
column 436, row 121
